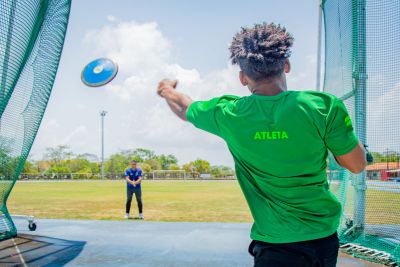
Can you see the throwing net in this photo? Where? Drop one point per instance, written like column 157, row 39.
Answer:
column 31, row 39
column 362, row 67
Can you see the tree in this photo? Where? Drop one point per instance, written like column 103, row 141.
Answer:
column 143, row 154
column 166, row 161
column 202, row 166
column 131, row 155
column 78, row 165
column 116, row 164
column 146, row 168
column 30, row 167
column 378, row 157
column 154, row 164
column 57, row 154
column 174, row 167
column 95, row 167
column 199, row 165
column 8, row 164
column 188, row 167
column 221, row 171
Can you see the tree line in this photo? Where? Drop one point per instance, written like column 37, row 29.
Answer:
column 61, row 160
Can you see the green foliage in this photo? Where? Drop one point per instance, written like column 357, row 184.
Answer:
column 61, row 160
column 202, row 166
column 30, row 167
column 386, row 156
column 8, row 164
column 146, row 168
column 174, row 167
column 197, row 166
column 77, row 165
column 139, row 154
column 154, row 164
column 117, row 164
column 58, row 168
column 221, row 171
column 166, row 161
column 188, row 167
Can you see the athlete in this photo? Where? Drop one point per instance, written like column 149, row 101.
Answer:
column 133, row 177
column 279, row 140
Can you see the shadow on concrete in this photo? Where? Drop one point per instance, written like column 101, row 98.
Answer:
column 32, row 250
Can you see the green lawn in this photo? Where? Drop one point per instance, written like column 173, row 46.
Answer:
column 191, row 201
column 381, row 207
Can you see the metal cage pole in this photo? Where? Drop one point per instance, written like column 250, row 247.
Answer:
column 360, row 86
column 318, row 78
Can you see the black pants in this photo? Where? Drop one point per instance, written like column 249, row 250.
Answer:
column 138, row 194
column 314, row 253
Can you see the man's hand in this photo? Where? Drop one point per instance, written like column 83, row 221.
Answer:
column 129, row 181
column 177, row 101
column 166, row 85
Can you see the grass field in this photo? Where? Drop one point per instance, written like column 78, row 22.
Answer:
column 191, row 201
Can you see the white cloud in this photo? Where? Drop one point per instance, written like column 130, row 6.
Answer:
column 139, row 49
column 111, row 18
column 137, row 116
column 143, row 54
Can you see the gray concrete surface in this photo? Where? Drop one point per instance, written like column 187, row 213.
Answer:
column 133, row 243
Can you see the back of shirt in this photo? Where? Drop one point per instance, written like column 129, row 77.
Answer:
column 279, row 144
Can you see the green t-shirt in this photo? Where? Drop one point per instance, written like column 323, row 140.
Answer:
column 280, row 145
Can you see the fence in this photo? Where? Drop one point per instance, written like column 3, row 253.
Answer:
column 154, row 175
column 362, row 67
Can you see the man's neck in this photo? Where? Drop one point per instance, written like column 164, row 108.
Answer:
column 269, row 87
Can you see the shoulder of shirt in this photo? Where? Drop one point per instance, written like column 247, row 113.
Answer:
column 314, row 96
column 226, row 98
column 315, row 93
column 313, row 101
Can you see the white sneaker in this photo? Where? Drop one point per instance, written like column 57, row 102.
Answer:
column 141, row 217
column 127, row 216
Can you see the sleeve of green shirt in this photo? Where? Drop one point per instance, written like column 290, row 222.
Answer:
column 206, row 115
column 340, row 137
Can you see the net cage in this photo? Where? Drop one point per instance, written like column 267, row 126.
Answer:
column 362, row 67
column 31, row 39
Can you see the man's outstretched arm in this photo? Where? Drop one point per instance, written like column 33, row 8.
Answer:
column 178, row 102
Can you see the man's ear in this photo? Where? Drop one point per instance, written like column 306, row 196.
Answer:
column 243, row 78
column 287, row 66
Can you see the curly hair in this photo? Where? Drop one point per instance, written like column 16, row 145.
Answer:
column 261, row 51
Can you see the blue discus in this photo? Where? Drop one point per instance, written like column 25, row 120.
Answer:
column 99, row 72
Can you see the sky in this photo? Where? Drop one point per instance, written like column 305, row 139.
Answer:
column 151, row 40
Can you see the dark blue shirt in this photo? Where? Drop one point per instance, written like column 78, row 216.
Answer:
column 134, row 175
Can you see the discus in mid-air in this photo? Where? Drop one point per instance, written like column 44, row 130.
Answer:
column 99, row 72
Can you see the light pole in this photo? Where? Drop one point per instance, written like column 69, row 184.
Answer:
column 102, row 115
